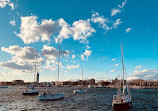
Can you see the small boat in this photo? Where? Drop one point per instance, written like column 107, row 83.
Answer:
column 80, row 91
column 31, row 92
column 50, row 97
column 123, row 98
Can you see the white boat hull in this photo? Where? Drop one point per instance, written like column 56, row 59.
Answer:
column 50, row 97
column 80, row 91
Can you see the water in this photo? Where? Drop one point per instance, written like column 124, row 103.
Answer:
column 96, row 99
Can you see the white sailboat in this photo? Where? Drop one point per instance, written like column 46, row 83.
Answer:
column 80, row 90
column 52, row 96
column 122, row 99
column 33, row 91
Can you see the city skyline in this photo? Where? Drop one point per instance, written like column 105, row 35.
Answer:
column 89, row 33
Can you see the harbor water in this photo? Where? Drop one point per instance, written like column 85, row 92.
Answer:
column 96, row 99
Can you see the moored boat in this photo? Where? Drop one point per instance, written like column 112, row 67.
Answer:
column 80, row 91
column 123, row 98
column 31, row 92
column 50, row 97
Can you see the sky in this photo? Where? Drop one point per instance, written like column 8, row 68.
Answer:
column 89, row 33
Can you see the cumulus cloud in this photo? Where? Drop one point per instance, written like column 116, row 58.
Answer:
column 13, row 65
column 32, row 31
column 139, row 67
column 22, row 58
column 122, row 5
column 87, row 53
column 112, row 71
column 3, row 4
column 82, row 57
column 80, row 30
column 22, row 55
column 116, row 65
column 73, row 66
column 51, row 54
column 115, row 11
column 73, row 56
column 113, row 59
column 128, row 30
column 96, row 18
column 12, row 22
column 116, row 23
column 145, row 74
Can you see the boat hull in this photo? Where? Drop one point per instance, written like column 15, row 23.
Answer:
column 79, row 91
column 30, row 94
column 50, row 97
column 122, row 105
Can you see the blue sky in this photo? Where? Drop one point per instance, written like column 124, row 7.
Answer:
column 90, row 35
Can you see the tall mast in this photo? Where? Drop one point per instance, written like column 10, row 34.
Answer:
column 35, row 68
column 122, row 64
column 58, row 65
column 82, row 77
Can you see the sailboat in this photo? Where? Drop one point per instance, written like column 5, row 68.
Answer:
column 33, row 91
column 80, row 90
column 123, row 98
column 52, row 96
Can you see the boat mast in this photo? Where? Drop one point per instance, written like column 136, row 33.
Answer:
column 58, row 65
column 123, row 69
column 82, row 77
column 35, row 68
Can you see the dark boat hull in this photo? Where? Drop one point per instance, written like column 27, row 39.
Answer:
column 122, row 105
column 30, row 94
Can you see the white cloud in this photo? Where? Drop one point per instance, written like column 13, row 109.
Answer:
column 3, row 4
column 32, row 31
column 113, row 59
column 96, row 18
column 73, row 56
column 73, row 66
column 80, row 30
column 128, row 30
column 87, row 53
column 139, row 67
column 14, row 65
column 23, row 55
column 116, row 23
column 51, row 54
column 112, row 71
column 11, row 5
column 23, row 59
column 122, row 5
column 116, row 65
column 145, row 74
column 88, row 47
column 115, row 11
column 12, row 22
column 82, row 57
